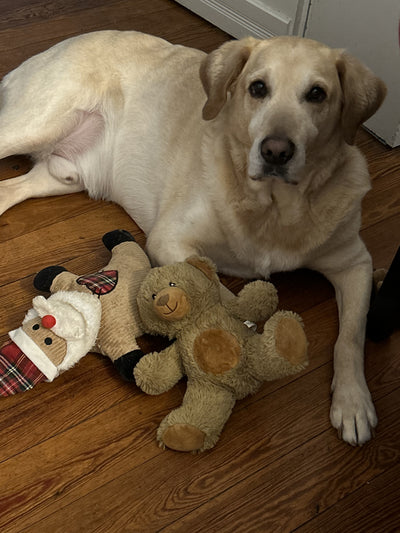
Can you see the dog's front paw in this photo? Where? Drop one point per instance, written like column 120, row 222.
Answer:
column 353, row 413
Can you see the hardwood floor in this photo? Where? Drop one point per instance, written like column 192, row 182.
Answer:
column 79, row 454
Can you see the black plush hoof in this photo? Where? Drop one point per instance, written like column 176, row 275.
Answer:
column 112, row 238
column 44, row 278
column 127, row 363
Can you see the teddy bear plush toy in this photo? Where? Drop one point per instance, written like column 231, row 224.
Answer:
column 223, row 359
column 95, row 312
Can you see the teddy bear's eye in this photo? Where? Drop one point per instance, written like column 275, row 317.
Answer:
column 172, row 284
column 35, row 326
column 48, row 341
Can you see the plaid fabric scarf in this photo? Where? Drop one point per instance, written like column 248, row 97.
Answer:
column 17, row 372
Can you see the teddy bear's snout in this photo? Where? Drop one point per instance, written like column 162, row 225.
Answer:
column 171, row 303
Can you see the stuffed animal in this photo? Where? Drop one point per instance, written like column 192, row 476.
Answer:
column 96, row 312
column 223, row 359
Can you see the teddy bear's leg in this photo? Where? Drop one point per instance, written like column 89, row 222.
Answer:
column 197, row 424
column 257, row 301
column 281, row 349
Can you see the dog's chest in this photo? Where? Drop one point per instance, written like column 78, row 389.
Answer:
column 258, row 244
column 247, row 260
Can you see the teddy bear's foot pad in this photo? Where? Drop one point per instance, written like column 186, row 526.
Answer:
column 291, row 342
column 183, row 438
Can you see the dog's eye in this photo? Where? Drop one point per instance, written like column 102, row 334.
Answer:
column 172, row 284
column 258, row 89
column 154, row 296
column 316, row 95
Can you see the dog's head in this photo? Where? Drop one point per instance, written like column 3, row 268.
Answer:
column 285, row 98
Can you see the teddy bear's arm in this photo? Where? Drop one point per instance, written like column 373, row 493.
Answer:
column 158, row 372
column 257, row 301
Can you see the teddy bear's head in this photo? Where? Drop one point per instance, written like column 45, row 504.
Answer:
column 173, row 296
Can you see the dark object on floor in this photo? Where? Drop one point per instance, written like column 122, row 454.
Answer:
column 384, row 314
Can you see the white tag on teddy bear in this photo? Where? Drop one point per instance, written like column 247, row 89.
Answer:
column 250, row 325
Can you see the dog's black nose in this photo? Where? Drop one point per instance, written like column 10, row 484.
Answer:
column 277, row 150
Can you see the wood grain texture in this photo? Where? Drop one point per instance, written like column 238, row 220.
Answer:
column 80, row 454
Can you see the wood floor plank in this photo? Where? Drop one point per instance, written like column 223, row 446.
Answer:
column 70, row 463
column 43, row 213
column 372, row 508
column 84, row 391
column 66, row 240
column 382, row 240
column 105, row 435
column 380, row 203
column 158, row 17
column 24, row 12
column 301, row 484
column 284, row 491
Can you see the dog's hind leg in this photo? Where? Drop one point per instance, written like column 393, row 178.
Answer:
column 32, row 130
column 38, row 182
column 56, row 171
column 35, row 132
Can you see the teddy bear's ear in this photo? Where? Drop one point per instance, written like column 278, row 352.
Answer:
column 205, row 265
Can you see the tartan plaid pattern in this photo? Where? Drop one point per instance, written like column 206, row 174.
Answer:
column 100, row 282
column 17, row 372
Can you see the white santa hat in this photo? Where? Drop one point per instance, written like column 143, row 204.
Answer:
column 77, row 318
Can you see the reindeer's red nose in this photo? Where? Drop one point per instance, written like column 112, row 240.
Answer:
column 48, row 321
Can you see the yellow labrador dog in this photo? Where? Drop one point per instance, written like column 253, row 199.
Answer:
column 244, row 155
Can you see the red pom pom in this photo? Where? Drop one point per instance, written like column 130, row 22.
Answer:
column 48, row 321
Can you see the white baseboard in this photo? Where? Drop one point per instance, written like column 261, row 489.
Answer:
column 241, row 18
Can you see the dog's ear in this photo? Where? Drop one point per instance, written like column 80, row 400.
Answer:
column 363, row 93
column 220, row 69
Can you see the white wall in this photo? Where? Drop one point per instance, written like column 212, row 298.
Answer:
column 369, row 29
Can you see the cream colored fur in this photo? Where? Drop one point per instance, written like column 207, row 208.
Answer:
column 119, row 114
